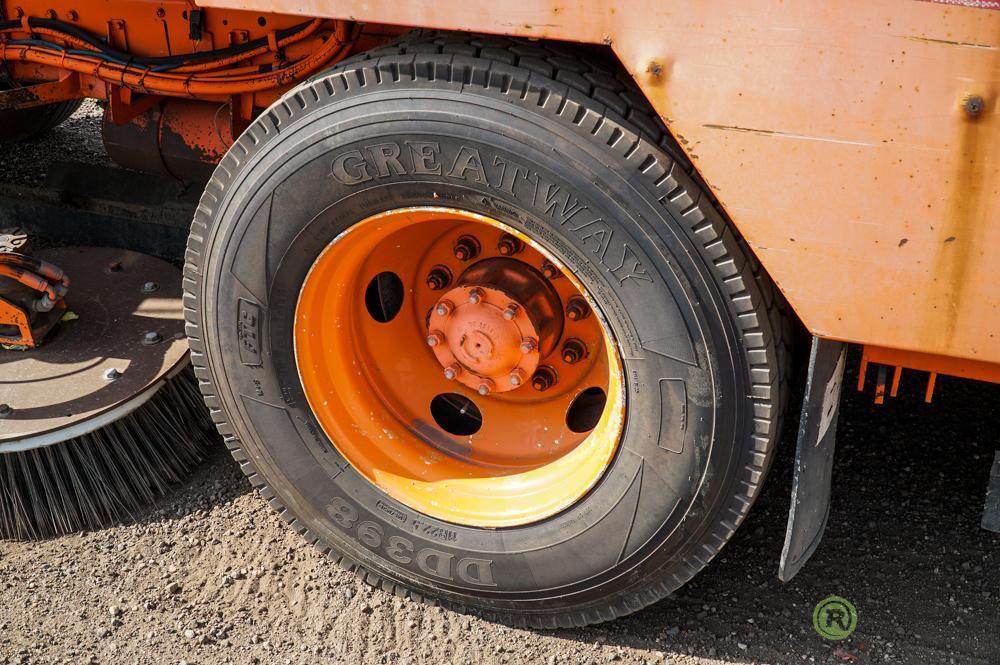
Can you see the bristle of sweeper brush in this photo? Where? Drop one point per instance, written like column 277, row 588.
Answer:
column 106, row 476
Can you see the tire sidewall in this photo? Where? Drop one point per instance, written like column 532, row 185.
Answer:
column 669, row 481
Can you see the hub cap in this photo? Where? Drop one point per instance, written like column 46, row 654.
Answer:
column 459, row 367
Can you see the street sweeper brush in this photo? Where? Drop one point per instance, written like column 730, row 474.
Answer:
column 99, row 409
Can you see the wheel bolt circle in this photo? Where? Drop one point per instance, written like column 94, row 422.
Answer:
column 549, row 271
column 528, row 344
column 510, row 312
column 476, row 296
column 577, row 309
column 452, row 371
column 517, row 376
column 436, row 337
column 485, row 387
column 444, row 308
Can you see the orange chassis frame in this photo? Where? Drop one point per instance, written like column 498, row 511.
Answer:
column 854, row 144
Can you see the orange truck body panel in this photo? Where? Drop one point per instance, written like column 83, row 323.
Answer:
column 833, row 134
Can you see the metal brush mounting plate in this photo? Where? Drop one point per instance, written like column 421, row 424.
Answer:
column 126, row 338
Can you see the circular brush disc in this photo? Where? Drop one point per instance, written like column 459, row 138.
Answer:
column 105, row 414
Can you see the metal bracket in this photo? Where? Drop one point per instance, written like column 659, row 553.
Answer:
column 810, row 505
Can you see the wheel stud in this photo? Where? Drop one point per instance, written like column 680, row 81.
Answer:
column 517, row 377
column 509, row 245
column 466, row 248
column 485, row 387
column 436, row 337
column 573, row 351
column 438, row 278
column 549, row 271
column 528, row 344
column 510, row 312
column 444, row 308
column 544, row 378
column 476, row 296
column 577, row 309
column 452, row 371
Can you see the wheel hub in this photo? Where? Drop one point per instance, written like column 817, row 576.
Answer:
column 483, row 339
column 491, row 330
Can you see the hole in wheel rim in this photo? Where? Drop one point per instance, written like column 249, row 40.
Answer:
column 456, row 414
column 585, row 411
column 384, row 296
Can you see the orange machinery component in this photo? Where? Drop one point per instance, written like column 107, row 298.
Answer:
column 228, row 65
column 854, row 144
column 31, row 299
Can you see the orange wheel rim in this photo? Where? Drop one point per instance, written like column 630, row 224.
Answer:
column 459, row 367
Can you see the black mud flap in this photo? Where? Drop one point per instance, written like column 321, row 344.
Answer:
column 814, row 456
column 991, row 512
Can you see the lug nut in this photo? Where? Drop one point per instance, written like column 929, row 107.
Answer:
column 528, row 344
column 509, row 245
column 476, row 295
column 510, row 312
column 577, row 309
column 151, row 338
column 112, row 374
column 5, row 410
column 150, row 287
column 436, row 337
column 517, row 377
column 549, row 271
column 544, row 378
column 452, row 371
column 439, row 278
column 466, row 248
column 573, row 351
column 444, row 308
column 485, row 387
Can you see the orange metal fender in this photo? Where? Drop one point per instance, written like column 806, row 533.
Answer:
column 835, row 135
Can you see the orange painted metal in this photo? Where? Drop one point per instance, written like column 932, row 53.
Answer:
column 833, row 134
column 184, row 138
column 249, row 81
column 39, row 277
column 372, row 381
column 924, row 362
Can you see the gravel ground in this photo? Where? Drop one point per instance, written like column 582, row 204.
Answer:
column 211, row 575
column 76, row 140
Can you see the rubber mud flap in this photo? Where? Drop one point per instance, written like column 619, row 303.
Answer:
column 698, row 325
column 811, row 482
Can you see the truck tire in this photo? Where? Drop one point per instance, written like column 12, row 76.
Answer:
column 329, row 293
column 23, row 124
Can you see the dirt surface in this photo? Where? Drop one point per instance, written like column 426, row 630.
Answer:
column 211, row 575
column 76, row 140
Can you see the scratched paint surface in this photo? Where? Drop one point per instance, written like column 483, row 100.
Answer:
column 832, row 133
